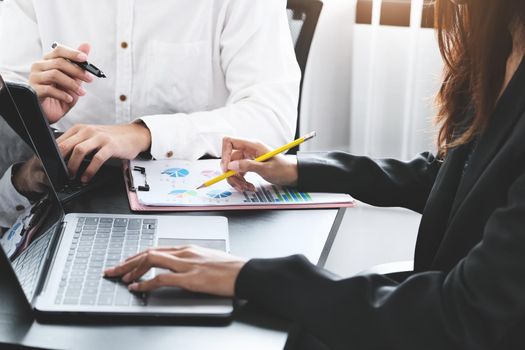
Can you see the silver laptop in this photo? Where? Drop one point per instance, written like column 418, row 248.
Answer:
column 59, row 259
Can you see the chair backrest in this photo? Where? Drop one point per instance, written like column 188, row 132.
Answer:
column 303, row 16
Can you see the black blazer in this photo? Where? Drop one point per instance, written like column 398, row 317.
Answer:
column 468, row 289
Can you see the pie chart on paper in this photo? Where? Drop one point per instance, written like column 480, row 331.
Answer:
column 183, row 193
column 219, row 194
column 176, row 172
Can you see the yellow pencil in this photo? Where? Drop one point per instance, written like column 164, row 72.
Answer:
column 262, row 158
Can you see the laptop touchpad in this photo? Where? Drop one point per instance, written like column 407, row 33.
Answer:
column 219, row 244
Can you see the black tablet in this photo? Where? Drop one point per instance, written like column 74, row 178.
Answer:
column 33, row 117
column 43, row 138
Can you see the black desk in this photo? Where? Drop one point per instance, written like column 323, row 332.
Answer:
column 252, row 234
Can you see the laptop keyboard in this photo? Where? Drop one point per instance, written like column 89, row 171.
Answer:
column 99, row 243
column 29, row 262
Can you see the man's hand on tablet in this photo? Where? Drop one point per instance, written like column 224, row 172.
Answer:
column 125, row 141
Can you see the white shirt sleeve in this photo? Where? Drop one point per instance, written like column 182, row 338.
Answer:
column 19, row 49
column 11, row 202
column 262, row 76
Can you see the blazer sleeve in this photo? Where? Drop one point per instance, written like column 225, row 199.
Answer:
column 384, row 182
column 478, row 305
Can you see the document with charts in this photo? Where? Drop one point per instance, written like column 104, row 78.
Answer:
column 173, row 183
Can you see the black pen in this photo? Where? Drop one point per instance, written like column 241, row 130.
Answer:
column 86, row 66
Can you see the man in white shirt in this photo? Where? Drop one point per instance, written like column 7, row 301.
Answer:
column 190, row 71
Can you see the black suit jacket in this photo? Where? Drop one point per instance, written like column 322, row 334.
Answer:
column 468, row 289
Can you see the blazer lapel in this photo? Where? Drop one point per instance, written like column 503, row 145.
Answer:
column 437, row 211
column 505, row 116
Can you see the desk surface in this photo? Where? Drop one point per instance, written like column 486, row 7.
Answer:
column 252, row 234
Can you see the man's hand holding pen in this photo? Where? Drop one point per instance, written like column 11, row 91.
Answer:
column 58, row 82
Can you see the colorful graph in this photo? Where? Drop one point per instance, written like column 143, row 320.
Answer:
column 184, row 193
column 210, row 173
column 273, row 194
column 219, row 194
column 176, row 172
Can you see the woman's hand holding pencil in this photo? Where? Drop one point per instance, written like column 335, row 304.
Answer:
column 241, row 156
column 238, row 155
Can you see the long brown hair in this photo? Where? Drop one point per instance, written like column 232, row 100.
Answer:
column 475, row 40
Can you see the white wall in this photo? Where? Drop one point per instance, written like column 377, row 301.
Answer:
column 326, row 90
column 395, row 76
column 369, row 89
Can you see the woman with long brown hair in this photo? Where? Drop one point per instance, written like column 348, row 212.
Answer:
column 467, row 290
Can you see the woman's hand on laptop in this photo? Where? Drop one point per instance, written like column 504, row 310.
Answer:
column 57, row 82
column 125, row 141
column 238, row 155
column 192, row 268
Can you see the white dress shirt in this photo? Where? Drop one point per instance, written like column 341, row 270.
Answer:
column 192, row 70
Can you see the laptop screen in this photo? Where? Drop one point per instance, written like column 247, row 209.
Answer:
column 30, row 212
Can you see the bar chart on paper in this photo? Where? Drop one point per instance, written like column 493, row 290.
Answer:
column 273, row 194
column 174, row 183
